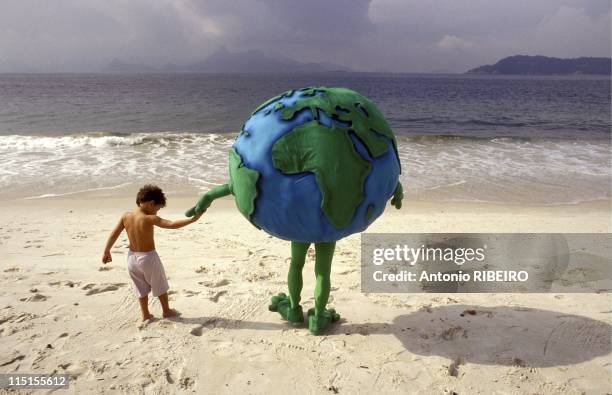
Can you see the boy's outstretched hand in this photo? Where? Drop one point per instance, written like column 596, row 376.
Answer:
column 197, row 216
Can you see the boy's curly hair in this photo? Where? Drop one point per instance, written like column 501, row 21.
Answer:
column 151, row 192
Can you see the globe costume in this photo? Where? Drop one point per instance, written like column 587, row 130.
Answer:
column 312, row 166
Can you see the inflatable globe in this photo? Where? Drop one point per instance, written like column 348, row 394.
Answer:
column 314, row 165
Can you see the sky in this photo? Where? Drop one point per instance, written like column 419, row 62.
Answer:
column 364, row 35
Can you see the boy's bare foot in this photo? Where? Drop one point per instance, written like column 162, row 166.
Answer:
column 171, row 313
column 147, row 317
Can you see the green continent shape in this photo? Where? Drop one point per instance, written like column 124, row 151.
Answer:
column 343, row 104
column 272, row 100
column 324, row 151
column 243, row 184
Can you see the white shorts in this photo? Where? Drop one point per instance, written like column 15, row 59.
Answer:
column 147, row 272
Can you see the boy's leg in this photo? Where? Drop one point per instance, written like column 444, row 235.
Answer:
column 159, row 285
column 144, row 308
column 167, row 311
column 141, row 286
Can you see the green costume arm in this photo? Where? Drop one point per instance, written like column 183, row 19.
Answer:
column 398, row 195
column 207, row 199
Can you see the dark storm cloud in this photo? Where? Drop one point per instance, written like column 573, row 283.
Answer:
column 305, row 29
column 396, row 35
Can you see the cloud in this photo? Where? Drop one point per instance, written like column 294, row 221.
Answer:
column 416, row 35
column 571, row 32
column 394, row 35
column 450, row 42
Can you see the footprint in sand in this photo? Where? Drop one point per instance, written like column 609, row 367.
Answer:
column 16, row 318
column 347, row 271
column 80, row 235
column 215, row 297
column 59, row 253
column 453, row 368
column 452, row 332
column 11, row 269
column 168, row 377
column 70, row 284
column 199, row 329
column 35, row 298
column 33, row 243
column 214, row 284
column 93, row 289
column 254, row 277
column 186, row 383
column 489, row 314
column 8, row 360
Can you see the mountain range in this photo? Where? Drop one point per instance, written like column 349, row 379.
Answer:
column 223, row 61
column 522, row 64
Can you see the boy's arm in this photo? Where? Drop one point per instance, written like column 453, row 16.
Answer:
column 167, row 224
column 207, row 199
column 112, row 238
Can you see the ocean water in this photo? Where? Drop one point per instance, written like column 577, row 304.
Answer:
column 520, row 140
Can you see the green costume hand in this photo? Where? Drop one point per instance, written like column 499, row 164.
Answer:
column 398, row 195
column 206, row 200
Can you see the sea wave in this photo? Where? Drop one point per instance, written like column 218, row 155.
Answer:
column 442, row 167
column 102, row 139
column 111, row 139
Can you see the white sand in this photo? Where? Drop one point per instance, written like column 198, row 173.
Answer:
column 61, row 310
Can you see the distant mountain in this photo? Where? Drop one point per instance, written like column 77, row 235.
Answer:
column 119, row 66
column 521, row 64
column 223, row 61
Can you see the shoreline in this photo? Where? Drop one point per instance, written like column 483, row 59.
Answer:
column 594, row 215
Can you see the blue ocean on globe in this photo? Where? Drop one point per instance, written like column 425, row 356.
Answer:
column 288, row 206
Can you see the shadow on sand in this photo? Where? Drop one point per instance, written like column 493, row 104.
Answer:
column 498, row 335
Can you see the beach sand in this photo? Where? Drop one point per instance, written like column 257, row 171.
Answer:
column 62, row 311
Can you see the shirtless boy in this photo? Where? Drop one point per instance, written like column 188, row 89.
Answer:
column 144, row 265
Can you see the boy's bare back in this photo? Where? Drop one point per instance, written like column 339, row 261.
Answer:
column 140, row 222
column 139, row 228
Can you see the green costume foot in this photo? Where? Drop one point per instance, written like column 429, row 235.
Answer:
column 281, row 304
column 319, row 323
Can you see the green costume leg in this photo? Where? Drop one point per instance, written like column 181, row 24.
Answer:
column 289, row 307
column 294, row 278
column 320, row 318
